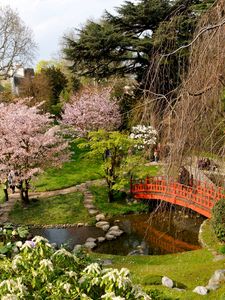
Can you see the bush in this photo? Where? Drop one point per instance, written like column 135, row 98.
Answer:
column 218, row 219
column 41, row 272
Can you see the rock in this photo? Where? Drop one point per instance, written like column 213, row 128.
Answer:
column 217, row 278
column 92, row 212
column 78, row 247
column 167, row 282
column 212, row 287
column 89, row 206
column 105, row 227
column 218, row 257
column 115, row 232
column 101, row 224
column 101, row 239
column 117, row 221
column 114, row 228
column 201, row 290
column 80, row 224
column 106, row 262
column 90, row 245
column 135, row 252
column 109, row 237
column 100, row 217
column 90, row 239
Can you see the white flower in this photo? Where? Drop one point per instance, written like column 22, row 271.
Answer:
column 67, row 287
column 47, row 264
column 71, row 274
column 19, row 244
column 28, row 244
column 38, row 239
column 10, row 297
column 93, row 269
column 108, row 296
column 63, row 252
column 16, row 260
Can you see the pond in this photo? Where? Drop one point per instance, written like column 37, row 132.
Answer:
column 150, row 234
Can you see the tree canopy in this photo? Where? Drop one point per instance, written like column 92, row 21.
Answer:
column 125, row 43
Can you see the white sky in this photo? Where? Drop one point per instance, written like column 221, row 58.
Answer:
column 50, row 19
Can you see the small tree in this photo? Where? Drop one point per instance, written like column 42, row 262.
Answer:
column 28, row 144
column 91, row 110
column 115, row 151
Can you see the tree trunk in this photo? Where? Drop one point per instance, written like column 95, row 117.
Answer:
column 110, row 196
column 6, row 195
column 24, row 196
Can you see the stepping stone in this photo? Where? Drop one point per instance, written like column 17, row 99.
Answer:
column 90, row 245
column 105, row 227
column 80, row 224
column 109, row 237
column 100, row 217
column 114, row 228
column 93, row 212
column 89, row 206
column 101, row 239
column 101, row 223
column 90, row 239
column 88, row 201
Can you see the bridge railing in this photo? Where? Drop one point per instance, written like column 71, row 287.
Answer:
column 202, row 195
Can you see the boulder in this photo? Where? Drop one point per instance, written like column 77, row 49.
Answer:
column 90, row 239
column 115, row 232
column 166, row 281
column 201, row 290
column 100, row 217
column 90, row 245
column 105, row 227
column 109, row 237
column 101, row 224
column 92, row 212
column 101, row 239
column 78, row 247
column 113, row 228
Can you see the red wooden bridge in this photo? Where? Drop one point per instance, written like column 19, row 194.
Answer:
column 200, row 197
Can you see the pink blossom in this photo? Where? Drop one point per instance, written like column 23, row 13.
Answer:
column 91, row 110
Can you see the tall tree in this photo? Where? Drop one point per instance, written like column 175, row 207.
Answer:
column 126, row 42
column 29, row 142
column 16, row 42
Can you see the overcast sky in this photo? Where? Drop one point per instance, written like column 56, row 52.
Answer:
column 50, row 19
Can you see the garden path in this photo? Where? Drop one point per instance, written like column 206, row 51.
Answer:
column 6, row 207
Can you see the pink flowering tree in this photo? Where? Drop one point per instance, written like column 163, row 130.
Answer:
column 91, row 110
column 29, row 143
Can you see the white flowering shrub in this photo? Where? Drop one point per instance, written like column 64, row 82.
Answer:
column 38, row 271
column 146, row 135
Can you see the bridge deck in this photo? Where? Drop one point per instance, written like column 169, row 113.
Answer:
column 201, row 197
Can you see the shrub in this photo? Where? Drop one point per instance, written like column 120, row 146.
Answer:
column 41, row 272
column 218, row 219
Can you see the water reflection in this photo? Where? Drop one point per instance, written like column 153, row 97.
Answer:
column 148, row 234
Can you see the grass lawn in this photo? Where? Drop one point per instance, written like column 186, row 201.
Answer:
column 63, row 209
column 189, row 268
column 79, row 169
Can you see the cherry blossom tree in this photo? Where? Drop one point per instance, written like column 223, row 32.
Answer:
column 91, row 110
column 29, row 143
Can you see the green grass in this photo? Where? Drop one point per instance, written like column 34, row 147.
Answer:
column 78, row 170
column 188, row 268
column 62, row 209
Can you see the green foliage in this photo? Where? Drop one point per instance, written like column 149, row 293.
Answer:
column 9, row 235
column 222, row 249
column 118, row 207
column 40, row 272
column 218, row 219
column 114, row 149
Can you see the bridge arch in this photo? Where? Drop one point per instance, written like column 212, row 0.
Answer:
column 200, row 197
